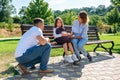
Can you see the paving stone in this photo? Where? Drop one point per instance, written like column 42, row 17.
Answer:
column 104, row 67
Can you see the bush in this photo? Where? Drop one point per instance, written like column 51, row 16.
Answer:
column 4, row 25
column 118, row 33
column 110, row 30
column 11, row 26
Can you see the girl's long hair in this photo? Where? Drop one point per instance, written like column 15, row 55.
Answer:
column 56, row 20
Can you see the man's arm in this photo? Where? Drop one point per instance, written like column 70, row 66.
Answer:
column 42, row 40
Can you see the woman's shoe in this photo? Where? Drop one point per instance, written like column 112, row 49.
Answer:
column 89, row 57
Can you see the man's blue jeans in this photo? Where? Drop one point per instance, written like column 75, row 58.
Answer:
column 78, row 45
column 36, row 54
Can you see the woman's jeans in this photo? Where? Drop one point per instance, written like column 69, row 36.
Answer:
column 78, row 45
column 36, row 54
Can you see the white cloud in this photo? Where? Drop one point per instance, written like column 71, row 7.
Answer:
column 55, row 2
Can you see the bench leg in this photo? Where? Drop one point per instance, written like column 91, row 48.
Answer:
column 96, row 48
column 109, row 50
column 63, row 54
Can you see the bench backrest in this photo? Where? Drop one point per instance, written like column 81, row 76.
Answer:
column 48, row 31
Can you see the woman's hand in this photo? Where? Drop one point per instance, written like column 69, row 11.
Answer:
column 72, row 36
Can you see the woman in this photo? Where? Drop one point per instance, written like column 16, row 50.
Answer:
column 79, row 35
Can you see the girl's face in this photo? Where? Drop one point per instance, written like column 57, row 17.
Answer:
column 79, row 19
column 59, row 23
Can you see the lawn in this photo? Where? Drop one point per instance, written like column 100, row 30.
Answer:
column 7, row 49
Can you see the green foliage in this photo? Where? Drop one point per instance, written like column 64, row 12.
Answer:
column 39, row 8
column 94, row 19
column 100, row 26
column 110, row 30
column 113, row 18
column 16, row 19
column 3, row 25
column 68, row 18
column 8, row 25
column 5, row 10
column 115, row 2
column 11, row 26
column 22, row 15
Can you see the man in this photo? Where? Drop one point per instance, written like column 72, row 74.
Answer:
column 34, row 48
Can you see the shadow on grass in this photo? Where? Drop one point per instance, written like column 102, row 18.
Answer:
column 9, row 40
column 62, row 70
column 10, row 71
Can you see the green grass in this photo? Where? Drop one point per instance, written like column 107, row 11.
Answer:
column 115, row 38
column 7, row 47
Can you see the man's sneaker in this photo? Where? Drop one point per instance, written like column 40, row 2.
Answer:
column 22, row 69
column 74, row 57
column 46, row 71
column 68, row 59
column 89, row 57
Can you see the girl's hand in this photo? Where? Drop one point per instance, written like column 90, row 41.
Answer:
column 64, row 34
column 53, row 43
column 69, row 34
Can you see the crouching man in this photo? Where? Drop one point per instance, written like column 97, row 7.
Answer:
column 34, row 48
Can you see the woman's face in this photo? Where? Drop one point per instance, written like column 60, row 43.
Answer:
column 79, row 19
column 59, row 23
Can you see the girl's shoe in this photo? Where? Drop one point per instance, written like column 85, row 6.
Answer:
column 74, row 57
column 68, row 59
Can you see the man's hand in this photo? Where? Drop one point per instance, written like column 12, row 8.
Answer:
column 48, row 39
column 42, row 40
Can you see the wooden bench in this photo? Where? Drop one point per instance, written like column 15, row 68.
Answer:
column 92, row 36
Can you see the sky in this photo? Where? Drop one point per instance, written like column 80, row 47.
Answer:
column 64, row 4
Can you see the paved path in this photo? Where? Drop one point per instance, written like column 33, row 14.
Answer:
column 103, row 67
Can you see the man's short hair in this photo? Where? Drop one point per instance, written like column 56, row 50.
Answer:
column 37, row 20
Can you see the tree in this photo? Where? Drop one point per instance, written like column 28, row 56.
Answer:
column 100, row 27
column 16, row 19
column 110, row 30
column 101, row 10
column 113, row 18
column 115, row 2
column 39, row 8
column 23, row 15
column 94, row 19
column 6, row 10
column 68, row 18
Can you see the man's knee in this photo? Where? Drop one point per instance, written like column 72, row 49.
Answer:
column 48, row 45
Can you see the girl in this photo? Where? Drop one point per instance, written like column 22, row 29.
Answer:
column 80, row 37
column 62, row 37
